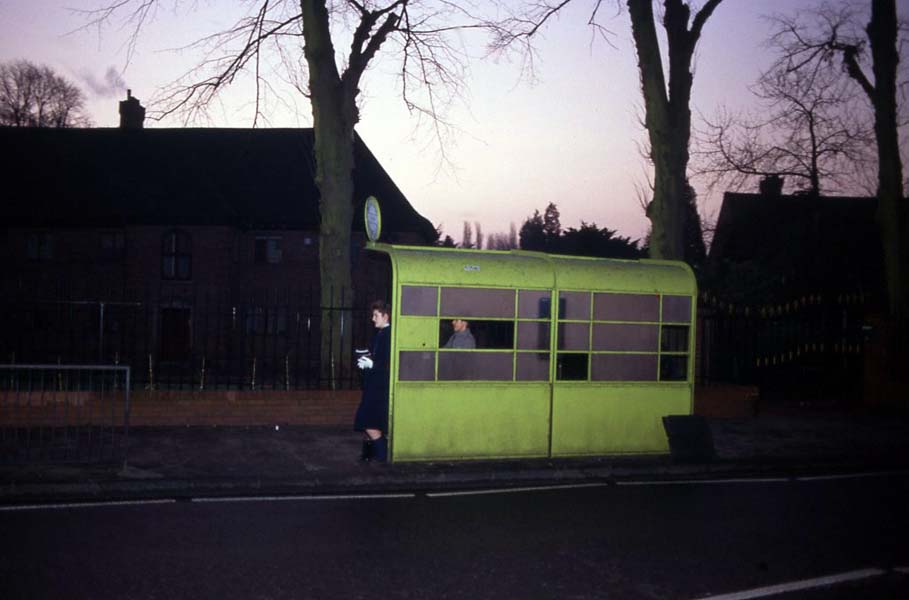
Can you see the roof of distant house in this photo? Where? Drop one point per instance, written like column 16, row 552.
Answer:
column 807, row 242
column 250, row 178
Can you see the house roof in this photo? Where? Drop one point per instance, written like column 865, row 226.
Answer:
column 253, row 178
column 798, row 243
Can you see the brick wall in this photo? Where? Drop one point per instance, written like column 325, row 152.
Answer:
column 179, row 408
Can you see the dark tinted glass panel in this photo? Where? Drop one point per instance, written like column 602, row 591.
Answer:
column 674, row 338
column 574, row 336
column 677, row 309
column 626, row 307
column 533, row 367
column 416, row 366
column 417, row 300
column 574, row 305
column 571, row 367
column 474, row 366
column 466, row 302
column 624, row 367
column 641, row 338
column 533, row 336
column 533, row 304
column 673, row 368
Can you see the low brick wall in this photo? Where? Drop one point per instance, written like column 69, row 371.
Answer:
column 169, row 408
column 725, row 400
column 223, row 407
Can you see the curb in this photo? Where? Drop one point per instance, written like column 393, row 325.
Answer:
column 377, row 482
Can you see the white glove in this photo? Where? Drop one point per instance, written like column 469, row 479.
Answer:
column 364, row 362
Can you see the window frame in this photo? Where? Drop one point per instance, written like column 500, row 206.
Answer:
column 650, row 331
column 173, row 252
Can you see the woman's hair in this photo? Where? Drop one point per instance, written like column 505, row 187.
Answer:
column 381, row 306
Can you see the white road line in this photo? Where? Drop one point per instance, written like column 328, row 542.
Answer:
column 706, row 481
column 783, row 588
column 312, row 497
column 516, row 490
column 63, row 506
column 848, row 476
column 903, row 570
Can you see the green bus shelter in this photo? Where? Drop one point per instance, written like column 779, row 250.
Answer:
column 575, row 356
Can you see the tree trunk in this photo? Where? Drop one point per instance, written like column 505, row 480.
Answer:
column 334, row 118
column 668, row 118
column 882, row 32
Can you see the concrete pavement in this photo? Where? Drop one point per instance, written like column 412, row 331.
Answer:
column 232, row 461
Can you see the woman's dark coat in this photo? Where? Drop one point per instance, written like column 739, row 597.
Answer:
column 373, row 410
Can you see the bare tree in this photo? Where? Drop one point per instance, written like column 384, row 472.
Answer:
column 666, row 105
column 479, row 234
column 829, row 34
column 808, row 129
column 503, row 241
column 467, row 236
column 35, row 96
column 301, row 36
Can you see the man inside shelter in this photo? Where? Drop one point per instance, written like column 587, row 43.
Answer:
column 461, row 339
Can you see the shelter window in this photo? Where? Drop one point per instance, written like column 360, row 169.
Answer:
column 533, row 335
column 625, row 337
column 574, row 306
column 489, row 334
column 574, row 336
column 624, row 367
column 677, row 309
column 673, row 368
column 571, row 366
column 626, row 307
column 675, row 339
column 421, row 301
column 532, row 366
column 534, row 304
column 478, row 366
column 477, row 302
column 417, row 366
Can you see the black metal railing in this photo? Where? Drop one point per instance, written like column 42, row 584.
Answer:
column 64, row 413
column 175, row 339
column 810, row 348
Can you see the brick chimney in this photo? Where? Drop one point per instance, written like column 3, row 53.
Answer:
column 771, row 186
column 132, row 114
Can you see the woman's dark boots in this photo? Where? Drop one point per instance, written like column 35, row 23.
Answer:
column 380, row 449
column 368, row 452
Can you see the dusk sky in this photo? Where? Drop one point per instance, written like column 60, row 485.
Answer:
column 571, row 137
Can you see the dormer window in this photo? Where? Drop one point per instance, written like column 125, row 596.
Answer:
column 176, row 255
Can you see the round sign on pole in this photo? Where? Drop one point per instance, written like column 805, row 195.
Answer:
column 372, row 217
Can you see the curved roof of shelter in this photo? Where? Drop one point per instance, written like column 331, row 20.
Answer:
column 519, row 268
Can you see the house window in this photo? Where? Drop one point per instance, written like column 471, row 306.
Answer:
column 40, row 246
column 268, row 250
column 113, row 244
column 176, row 255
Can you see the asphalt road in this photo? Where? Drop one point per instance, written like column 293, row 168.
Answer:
column 644, row 541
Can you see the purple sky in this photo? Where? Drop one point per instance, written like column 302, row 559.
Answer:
column 572, row 137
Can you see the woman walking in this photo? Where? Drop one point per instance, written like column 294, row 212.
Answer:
column 372, row 414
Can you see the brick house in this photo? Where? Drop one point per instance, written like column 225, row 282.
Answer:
column 792, row 293
column 174, row 250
